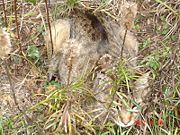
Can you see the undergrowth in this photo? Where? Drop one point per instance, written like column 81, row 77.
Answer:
column 157, row 30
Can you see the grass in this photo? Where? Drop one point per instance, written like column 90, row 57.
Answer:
column 158, row 53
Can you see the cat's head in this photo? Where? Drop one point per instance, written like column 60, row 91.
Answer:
column 126, row 109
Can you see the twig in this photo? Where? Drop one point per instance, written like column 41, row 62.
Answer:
column 11, row 84
column 15, row 11
column 116, row 87
column 27, row 118
column 168, row 7
column 49, row 25
column 109, row 106
column 4, row 10
column 124, row 39
column 16, row 21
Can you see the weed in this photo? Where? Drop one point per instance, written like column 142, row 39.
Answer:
column 33, row 53
column 174, row 38
column 57, row 98
column 137, row 22
column 145, row 43
column 152, row 60
column 40, row 29
column 32, row 1
column 6, row 124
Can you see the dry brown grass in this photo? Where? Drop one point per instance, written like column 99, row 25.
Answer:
column 157, row 29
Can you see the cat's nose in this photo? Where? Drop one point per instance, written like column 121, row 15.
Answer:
column 51, row 77
column 126, row 122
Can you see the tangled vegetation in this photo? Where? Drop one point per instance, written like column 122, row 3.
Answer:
column 42, row 106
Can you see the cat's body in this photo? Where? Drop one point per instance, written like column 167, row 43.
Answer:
column 80, row 44
column 88, row 47
column 5, row 44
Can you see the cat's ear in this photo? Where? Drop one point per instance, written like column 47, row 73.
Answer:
column 141, row 87
column 129, row 12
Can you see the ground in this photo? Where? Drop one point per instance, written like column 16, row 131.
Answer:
column 157, row 30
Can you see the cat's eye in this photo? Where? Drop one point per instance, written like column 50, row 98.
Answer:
column 118, row 108
column 134, row 106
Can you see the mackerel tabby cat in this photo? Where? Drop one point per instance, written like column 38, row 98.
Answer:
column 89, row 46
